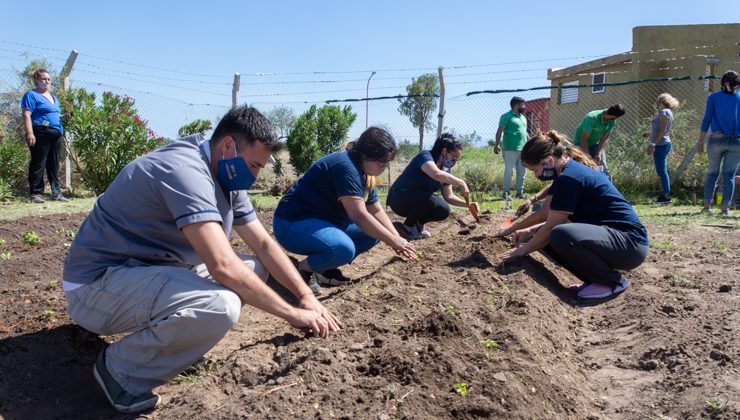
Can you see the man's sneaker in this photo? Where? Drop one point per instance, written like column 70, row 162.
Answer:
column 519, row 195
column 505, row 196
column 601, row 291
column 663, row 199
column 706, row 211
column 59, row 197
column 410, row 233
column 37, row 198
column 725, row 212
column 118, row 397
column 331, row 277
column 423, row 232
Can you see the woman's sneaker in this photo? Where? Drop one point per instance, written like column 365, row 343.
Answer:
column 663, row 199
column 410, row 233
column 331, row 277
column 601, row 291
column 423, row 232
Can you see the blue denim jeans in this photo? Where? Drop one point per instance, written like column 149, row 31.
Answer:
column 660, row 156
column 602, row 165
column 725, row 153
column 513, row 160
column 328, row 245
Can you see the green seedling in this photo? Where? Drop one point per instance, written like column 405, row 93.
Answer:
column 31, row 238
column 197, row 371
column 5, row 256
column 366, row 290
column 391, row 270
column 238, row 241
column 715, row 407
column 450, row 309
column 490, row 344
column 52, row 284
column 2, row 241
column 47, row 314
column 461, row 388
column 393, row 391
column 420, row 255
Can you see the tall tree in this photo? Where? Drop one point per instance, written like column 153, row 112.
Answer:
column 283, row 119
column 420, row 103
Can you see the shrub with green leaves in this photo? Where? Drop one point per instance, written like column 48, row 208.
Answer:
column 14, row 169
column 31, row 238
column 197, row 126
column 106, row 136
column 318, row 132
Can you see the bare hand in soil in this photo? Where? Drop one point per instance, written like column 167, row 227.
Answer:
column 521, row 236
column 405, row 249
column 512, row 254
column 311, row 303
column 304, row 319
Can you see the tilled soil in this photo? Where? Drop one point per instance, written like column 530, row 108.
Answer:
column 416, row 336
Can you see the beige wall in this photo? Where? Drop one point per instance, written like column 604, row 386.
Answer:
column 657, row 51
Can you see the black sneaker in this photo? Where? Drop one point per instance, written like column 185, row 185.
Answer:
column 663, row 199
column 332, row 277
column 119, row 397
column 310, row 280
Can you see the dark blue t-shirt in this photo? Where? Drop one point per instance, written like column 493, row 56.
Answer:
column 316, row 194
column 593, row 199
column 413, row 178
column 43, row 112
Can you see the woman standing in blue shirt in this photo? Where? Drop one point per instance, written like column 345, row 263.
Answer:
column 332, row 213
column 590, row 229
column 723, row 115
column 412, row 194
column 660, row 143
column 43, row 123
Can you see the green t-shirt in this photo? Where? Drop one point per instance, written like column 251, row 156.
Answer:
column 515, row 131
column 593, row 123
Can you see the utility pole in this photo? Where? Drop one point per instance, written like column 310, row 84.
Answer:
column 235, row 90
column 367, row 96
column 441, row 115
column 66, row 70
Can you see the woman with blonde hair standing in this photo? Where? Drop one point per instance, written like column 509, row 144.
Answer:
column 660, row 143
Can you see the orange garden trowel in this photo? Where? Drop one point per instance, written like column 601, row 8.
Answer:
column 473, row 209
column 509, row 221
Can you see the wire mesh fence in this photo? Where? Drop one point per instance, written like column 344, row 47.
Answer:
column 473, row 116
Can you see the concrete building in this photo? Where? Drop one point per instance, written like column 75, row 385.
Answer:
column 657, row 52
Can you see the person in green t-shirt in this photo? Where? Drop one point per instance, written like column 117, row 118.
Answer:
column 593, row 133
column 513, row 127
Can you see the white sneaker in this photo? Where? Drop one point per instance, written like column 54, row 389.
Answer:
column 423, row 232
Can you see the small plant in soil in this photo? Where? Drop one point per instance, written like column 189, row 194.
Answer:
column 52, row 284
column 715, row 407
column 366, row 291
column 420, row 255
column 5, row 256
column 664, row 244
column 461, row 389
column 714, row 245
column 490, row 344
column 197, row 371
column 685, row 283
column 450, row 309
column 46, row 314
column 31, row 238
column 391, row 270
column 2, row 241
column 238, row 241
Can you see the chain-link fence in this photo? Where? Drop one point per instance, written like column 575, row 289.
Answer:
column 473, row 116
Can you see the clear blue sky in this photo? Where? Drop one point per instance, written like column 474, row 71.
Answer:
column 211, row 40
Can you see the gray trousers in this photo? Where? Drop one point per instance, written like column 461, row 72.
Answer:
column 174, row 315
column 595, row 253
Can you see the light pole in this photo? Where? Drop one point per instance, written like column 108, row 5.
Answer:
column 367, row 94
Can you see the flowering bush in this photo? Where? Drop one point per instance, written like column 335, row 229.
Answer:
column 105, row 136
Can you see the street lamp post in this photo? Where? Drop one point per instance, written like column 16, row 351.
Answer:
column 367, row 95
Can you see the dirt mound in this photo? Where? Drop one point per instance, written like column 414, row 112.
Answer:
column 454, row 335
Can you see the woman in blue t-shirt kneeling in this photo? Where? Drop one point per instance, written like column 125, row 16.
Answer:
column 332, row 213
column 590, row 228
column 412, row 194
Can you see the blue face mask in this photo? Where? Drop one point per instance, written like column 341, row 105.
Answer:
column 43, row 85
column 448, row 163
column 548, row 174
column 234, row 175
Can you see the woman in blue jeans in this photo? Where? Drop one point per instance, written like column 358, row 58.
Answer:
column 660, row 143
column 588, row 227
column 332, row 213
column 723, row 115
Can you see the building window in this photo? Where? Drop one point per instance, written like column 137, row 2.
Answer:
column 569, row 95
column 598, row 78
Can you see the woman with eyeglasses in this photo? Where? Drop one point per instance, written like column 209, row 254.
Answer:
column 332, row 214
column 587, row 225
column 413, row 196
column 43, row 123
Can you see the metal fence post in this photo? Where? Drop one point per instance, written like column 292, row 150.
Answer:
column 66, row 70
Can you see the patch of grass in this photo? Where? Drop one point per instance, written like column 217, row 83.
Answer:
column 5, row 256
column 16, row 209
column 197, row 371
column 720, row 246
column 664, row 244
column 461, row 389
column 686, row 283
column 31, row 238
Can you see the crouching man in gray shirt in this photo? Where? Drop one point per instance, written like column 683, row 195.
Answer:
column 153, row 259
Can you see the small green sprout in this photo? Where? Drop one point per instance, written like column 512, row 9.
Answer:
column 47, row 314
column 52, row 284
column 490, row 344
column 451, row 309
column 366, row 290
column 31, row 238
column 461, row 388
column 5, row 256
column 2, row 241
